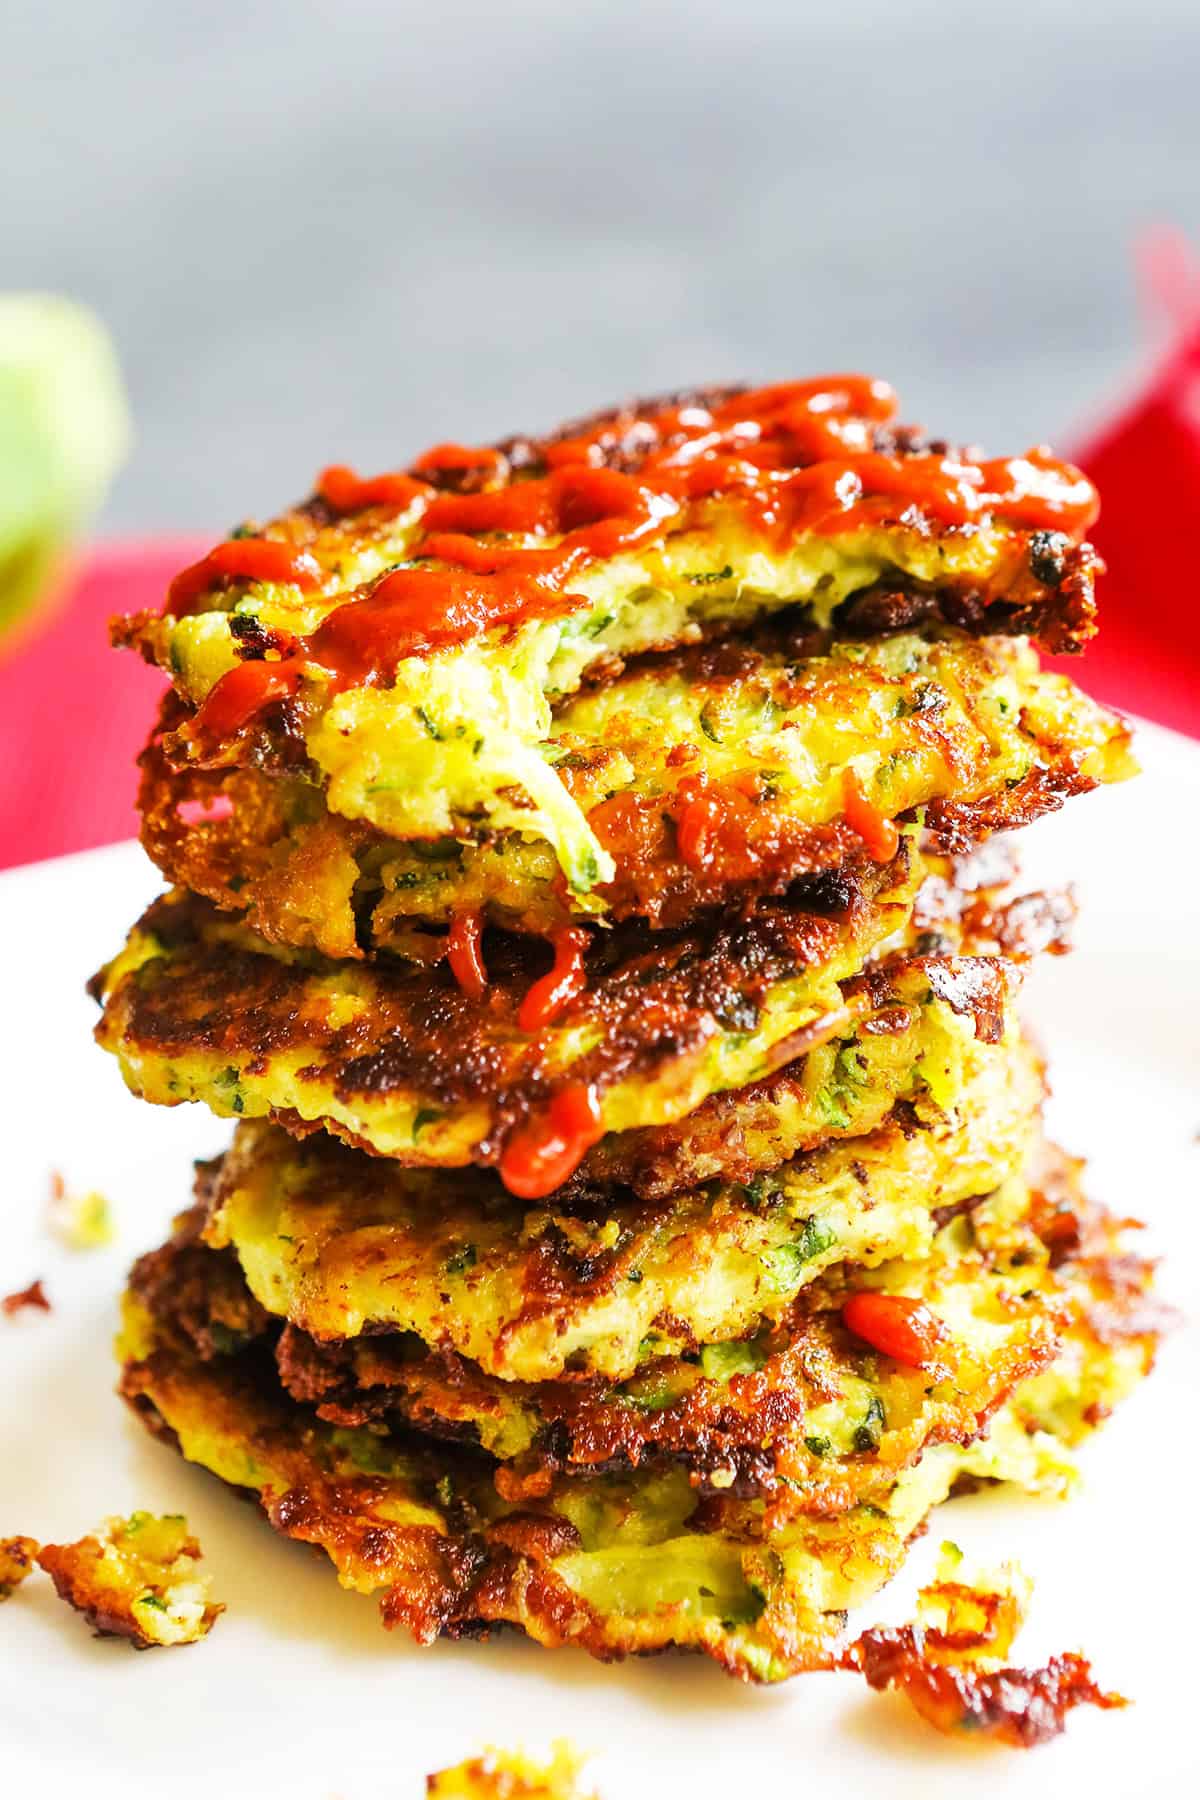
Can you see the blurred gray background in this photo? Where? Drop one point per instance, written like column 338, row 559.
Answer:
column 337, row 232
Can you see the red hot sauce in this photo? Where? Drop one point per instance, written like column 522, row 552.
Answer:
column 795, row 458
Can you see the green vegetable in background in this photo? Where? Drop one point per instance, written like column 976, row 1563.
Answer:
column 64, row 432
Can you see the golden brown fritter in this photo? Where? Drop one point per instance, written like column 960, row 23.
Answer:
column 398, row 1059
column 403, row 640
column 511, row 1775
column 805, row 1411
column 137, row 1580
column 341, row 1244
column 615, row 1562
column 711, row 776
column 17, row 1558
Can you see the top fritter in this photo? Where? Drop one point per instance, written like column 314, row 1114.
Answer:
column 402, row 640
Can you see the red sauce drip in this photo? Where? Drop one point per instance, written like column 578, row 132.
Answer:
column 347, row 492
column 715, row 826
column 541, row 1154
column 444, row 459
column 880, row 834
column 597, row 513
column 465, row 954
column 794, row 458
column 243, row 559
column 234, row 700
column 359, row 645
column 555, row 990
column 899, row 1327
column 698, row 830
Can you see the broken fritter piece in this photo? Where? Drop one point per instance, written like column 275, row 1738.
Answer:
column 80, row 1221
column 511, row 1775
column 950, row 1663
column 17, row 1557
column 973, row 1613
column 33, row 1296
column 138, row 1581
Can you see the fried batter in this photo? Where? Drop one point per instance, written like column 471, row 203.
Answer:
column 802, row 1413
column 398, row 1059
column 404, row 639
column 615, row 1562
column 950, row 1662
column 137, row 1581
column 341, row 1244
column 710, row 776
column 511, row 1775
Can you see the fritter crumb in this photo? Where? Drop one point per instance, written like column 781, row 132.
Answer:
column 511, row 1775
column 973, row 1613
column 949, row 1663
column 32, row 1296
column 137, row 1581
column 17, row 1557
column 80, row 1221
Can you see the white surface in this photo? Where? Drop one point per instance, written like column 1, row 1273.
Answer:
column 300, row 1691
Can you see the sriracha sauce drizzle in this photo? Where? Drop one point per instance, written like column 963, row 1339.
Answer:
column 880, row 835
column 797, row 457
column 346, row 492
column 464, row 952
column 542, row 1153
column 900, row 1327
column 548, row 996
column 243, row 559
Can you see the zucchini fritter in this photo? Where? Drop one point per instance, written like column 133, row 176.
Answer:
column 615, row 1562
column 398, row 1059
column 709, row 776
column 405, row 638
column 341, row 1244
column 950, row 1662
column 511, row 1775
column 138, row 1580
column 804, row 1413
column 17, row 1558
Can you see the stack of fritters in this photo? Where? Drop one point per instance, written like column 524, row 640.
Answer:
column 639, row 1217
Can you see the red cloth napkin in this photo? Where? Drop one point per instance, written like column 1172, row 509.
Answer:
column 74, row 714
column 1145, row 460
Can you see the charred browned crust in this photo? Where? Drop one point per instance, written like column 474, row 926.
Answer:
column 258, row 840
column 201, row 1292
column 1021, row 1707
column 968, row 908
column 740, row 1437
column 1059, row 614
column 32, row 1297
column 647, row 1002
column 955, row 827
column 478, row 1574
column 713, row 1140
column 18, row 1556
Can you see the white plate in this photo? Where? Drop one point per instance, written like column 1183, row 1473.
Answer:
column 299, row 1691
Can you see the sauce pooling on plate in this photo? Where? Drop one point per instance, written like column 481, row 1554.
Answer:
column 798, row 458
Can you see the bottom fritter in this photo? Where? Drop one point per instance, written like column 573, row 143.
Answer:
column 633, row 1559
